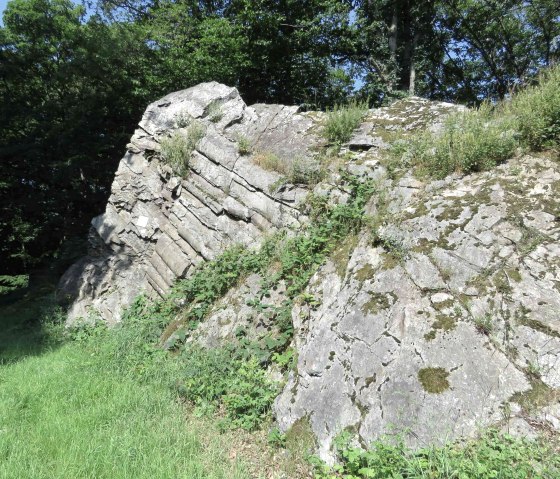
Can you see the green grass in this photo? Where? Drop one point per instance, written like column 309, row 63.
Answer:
column 342, row 121
column 480, row 139
column 68, row 411
column 493, row 455
column 176, row 149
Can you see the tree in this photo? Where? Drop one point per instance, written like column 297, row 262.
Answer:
column 68, row 101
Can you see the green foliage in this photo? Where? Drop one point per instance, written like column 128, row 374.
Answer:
column 9, row 284
column 176, row 149
column 342, row 121
column 479, row 139
column 69, row 99
column 537, row 110
column 219, row 377
column 492, row 456
column 244, row 146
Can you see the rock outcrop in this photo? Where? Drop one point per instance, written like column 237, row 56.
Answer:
column 157, row 225
column 443, row 322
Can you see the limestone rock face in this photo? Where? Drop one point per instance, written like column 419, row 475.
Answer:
column 157, row 225
column 446, row 321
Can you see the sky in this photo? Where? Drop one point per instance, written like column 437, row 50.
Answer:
column 2, row 7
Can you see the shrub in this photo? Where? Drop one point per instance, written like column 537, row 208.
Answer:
column 176, row 149
column 218, row 377
column 342, row 121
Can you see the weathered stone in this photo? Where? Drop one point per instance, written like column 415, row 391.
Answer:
column 438, row 326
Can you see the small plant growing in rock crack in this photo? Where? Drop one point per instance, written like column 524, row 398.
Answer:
column 484, row 324
column 298, row 170
column 343, row 120
column 176, row 149
column 392, row 245
column 215, row 112
column 534, row 369
column 244, row 146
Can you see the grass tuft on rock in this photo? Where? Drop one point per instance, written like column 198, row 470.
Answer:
column 480, row 139
column 342, row 121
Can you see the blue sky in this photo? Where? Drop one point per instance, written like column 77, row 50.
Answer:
column 2, row 7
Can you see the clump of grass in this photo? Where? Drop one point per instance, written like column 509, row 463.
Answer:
column 473, row 140
column 537, row 110
column 270, row 161
column 342, row 121
column 176, row 149
column 480, row 139
column 298, row 170
column 244, row 146
column 215, row 112
column 484, row 324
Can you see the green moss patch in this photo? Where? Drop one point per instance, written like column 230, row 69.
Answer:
column 365, row 272
column 378, row 302
column 433, row 380
column 442, row 323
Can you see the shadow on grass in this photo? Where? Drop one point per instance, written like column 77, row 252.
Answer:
column 28, row 319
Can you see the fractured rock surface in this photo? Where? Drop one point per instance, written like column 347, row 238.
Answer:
column 157, row 225
column 446, row 321
column 434, row 339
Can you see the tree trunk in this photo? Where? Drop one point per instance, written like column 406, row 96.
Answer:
column 412, row 76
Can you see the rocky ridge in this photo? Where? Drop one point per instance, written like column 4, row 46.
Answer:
column 443, row 322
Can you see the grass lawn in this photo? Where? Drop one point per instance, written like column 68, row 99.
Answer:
column 64, row 413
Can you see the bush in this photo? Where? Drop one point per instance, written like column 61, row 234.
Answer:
column 218, row 377
column 176, row 150
column 342, row 121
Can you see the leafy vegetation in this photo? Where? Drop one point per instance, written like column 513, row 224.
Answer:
column 176, row 149
column 219, row 377
column 244, row 146
column 9, row 284
column 492, row 456
column 297, row 170
column 477, row 140
column 69, row 409
column 342, row 121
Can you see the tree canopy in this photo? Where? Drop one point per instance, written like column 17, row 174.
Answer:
column 74, row 79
